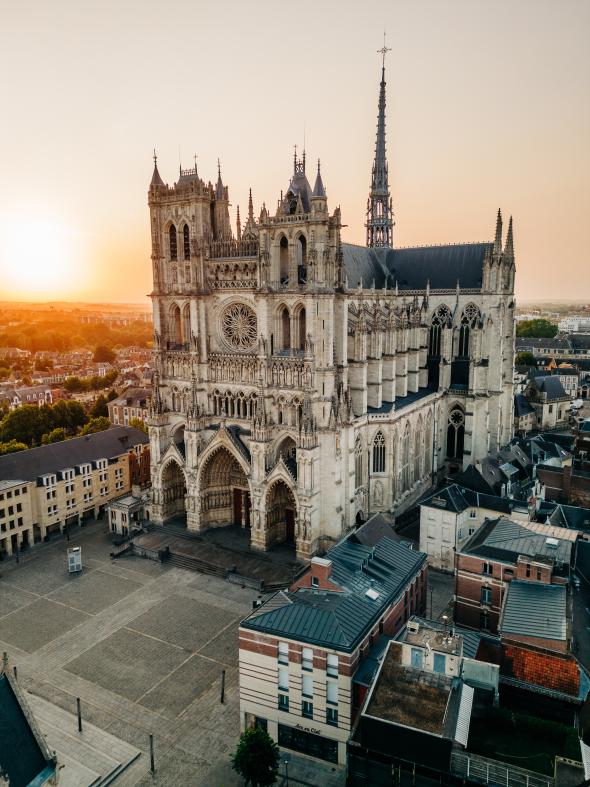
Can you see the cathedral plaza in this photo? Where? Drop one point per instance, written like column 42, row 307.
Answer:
column 142, row 645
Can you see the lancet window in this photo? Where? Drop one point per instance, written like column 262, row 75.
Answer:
column 173, row 244
column 379, row 453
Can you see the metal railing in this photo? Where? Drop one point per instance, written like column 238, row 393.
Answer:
column 480, row 769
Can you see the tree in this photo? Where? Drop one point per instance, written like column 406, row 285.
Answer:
column 11, row 446
column 256, row 758
column 26, row 424
column 137, row 423
column 55, row 436
column 112, row 394
column 539, row 328
column 95, row 425
column 524, row 359
column 103, row 354
column 100, row 409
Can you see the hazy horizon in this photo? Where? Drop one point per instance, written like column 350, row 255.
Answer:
column 488, row 105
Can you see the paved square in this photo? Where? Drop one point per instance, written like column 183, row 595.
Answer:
column 94, row 591
column 180, row 688
column 38, row 623
column 12, row 598
column 127, row 663
column 141, row 644
column 183, row 622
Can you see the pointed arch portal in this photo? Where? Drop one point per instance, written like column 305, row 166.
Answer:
column 281, row 511
column 224, row 491
column 173, row 490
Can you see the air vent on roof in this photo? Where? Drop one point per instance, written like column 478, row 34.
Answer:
column 413, row 626
column 552, row 542
column 372, row 594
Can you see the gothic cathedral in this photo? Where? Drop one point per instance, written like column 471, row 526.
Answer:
column 303, row 383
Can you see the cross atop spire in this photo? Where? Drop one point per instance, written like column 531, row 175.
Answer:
column 383, row 51
column 379, row 211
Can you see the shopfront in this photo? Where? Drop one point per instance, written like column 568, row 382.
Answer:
column 308, row 740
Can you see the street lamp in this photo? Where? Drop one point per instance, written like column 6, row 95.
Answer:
column 286, row 760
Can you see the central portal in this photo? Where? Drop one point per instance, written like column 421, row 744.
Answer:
column 280, row 513
column 225, row 494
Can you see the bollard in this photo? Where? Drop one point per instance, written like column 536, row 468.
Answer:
column 15, row 673
column 222, row 686
column 152, row 762
column 79, row 714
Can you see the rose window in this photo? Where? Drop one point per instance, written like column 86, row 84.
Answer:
column 456, row 418
column 238, row 323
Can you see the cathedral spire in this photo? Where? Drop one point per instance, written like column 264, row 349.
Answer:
column 238, row 224
column 156, row 179
column 498, row 237
column 509, row 247
column 250, row 208
column 379, row 212
column 318, row 189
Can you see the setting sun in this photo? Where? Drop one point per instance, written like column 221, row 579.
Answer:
column 37, row 258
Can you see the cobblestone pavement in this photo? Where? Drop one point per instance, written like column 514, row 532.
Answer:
column 143, row 646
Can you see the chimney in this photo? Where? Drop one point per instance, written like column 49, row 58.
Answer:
column 321, row 570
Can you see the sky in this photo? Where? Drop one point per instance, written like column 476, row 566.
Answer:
column 488, row 105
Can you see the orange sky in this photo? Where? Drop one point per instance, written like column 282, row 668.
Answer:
column 488, row 105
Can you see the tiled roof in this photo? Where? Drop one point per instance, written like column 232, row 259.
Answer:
column 536, row 610
column 341, row 619
column 541, row 669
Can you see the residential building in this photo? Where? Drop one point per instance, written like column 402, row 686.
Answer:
column 510, row 473
column 36, row 394
column 450, row 516
column 364, row 368
column 133, row 403
column 525, row 416
column 568, row 481
column 47, row 489
column 500, row 551
column 300, row 650
column 574, row 323
column 551, row 403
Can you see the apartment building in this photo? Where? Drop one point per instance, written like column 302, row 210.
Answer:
column 450, row 516
column 299, row 651
column 133, row 403
column 500, row 551
column 44, row 490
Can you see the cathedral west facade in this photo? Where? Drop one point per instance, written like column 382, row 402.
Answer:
column 303, row 383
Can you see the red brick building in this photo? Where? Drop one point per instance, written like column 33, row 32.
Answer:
column 499, row 552
column 299, row 651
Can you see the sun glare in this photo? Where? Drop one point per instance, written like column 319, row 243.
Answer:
column 37, row 259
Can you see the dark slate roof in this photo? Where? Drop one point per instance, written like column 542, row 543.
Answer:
column 573, row 517
column 502, row 539
column 24, row 756
column 521, row 406
column 526, row 342
column 457, row 498
column 300, row 187
column 412, row 268
column 580, row 341
column 35, row 462
column 550, row 385
column 340, row 620
column 533, row 609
